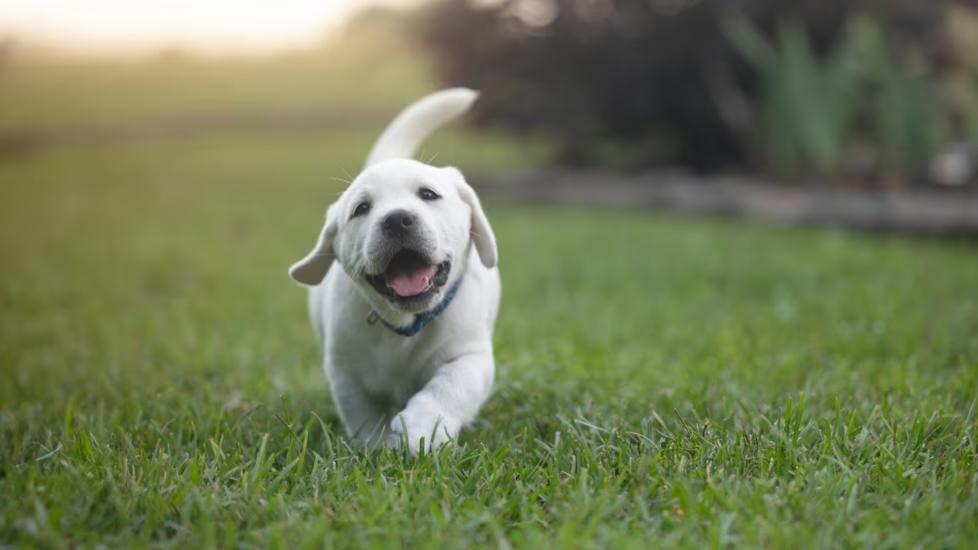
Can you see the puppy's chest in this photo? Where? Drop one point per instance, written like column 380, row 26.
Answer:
column 394, row 370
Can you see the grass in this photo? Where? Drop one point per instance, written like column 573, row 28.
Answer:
column 45, row 93
column 660, row 381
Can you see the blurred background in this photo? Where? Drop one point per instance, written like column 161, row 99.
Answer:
column 149, row 149
column 863, row 94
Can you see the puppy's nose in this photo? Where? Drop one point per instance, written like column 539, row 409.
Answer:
column 399, row 223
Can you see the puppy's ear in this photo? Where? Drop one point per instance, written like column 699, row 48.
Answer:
column 311, row 269
column 480, row 230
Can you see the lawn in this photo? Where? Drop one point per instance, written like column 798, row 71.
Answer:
column 39, row 92
column 660, row 381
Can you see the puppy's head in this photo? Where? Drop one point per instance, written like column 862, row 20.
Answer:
column 402, row 231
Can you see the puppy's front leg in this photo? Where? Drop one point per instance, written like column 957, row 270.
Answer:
column 363, row 417
column 449, row 400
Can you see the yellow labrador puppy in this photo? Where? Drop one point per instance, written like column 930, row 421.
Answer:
column 405, row 291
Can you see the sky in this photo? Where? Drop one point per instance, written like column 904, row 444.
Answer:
column 128, row 27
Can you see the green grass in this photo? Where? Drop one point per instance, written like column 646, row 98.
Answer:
column 370, row 70
column 660, row 381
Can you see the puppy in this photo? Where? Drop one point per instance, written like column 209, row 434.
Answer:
column 405, row 291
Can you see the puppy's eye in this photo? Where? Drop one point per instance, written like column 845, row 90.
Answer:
column 428, row 195
column 361, row 209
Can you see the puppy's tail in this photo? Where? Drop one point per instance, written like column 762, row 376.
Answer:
column 409, row 129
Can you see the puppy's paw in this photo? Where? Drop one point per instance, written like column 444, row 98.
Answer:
column 422, row 427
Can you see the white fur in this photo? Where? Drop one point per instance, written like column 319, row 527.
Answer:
column 409, row 129
column 389, row 388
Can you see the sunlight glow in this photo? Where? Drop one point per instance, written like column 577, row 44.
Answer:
column 130, row 27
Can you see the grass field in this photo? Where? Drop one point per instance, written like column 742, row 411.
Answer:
column 659, row 380
column 374, row 67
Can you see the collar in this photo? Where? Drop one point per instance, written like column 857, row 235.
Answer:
column 423, row 319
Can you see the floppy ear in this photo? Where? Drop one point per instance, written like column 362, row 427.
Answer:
column 481, row 232
column 311, row 269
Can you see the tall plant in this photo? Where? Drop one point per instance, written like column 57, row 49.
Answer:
column 809, row 107
column 813, row 111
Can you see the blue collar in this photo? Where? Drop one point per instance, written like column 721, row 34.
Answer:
column 422, row 320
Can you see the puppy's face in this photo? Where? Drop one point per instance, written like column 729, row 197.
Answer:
column 402, row 232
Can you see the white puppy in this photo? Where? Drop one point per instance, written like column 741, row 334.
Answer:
column 403, row 306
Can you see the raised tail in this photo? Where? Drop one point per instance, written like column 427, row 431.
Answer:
column 409, row 129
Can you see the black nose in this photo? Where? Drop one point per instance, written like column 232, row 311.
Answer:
column 398, row 223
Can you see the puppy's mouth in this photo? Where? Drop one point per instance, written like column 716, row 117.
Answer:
column 410, row 277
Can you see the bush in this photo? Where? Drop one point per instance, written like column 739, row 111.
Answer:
column 816, row 115
column 791, row 87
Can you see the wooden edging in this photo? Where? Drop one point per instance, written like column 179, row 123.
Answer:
column 938, row 213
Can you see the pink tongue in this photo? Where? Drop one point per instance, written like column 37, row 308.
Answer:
column 412, row 284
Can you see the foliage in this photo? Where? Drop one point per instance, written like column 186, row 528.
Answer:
column 800, row 88
column 809, row 106
column 814, row 112
column 631, row 71
column 694, row 383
